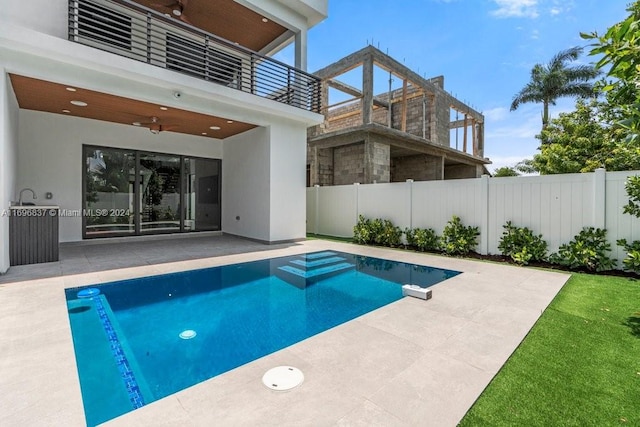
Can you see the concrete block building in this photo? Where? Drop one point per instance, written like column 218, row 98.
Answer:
column 403, row 133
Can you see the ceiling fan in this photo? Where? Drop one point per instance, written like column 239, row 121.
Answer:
column 175, row 8
column 155, row 127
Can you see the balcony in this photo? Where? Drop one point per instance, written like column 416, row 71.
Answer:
column 134, row 31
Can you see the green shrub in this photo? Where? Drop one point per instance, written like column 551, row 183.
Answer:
column 632, row 261
column 389, row 235
column 457, row 239
column 377, row 227
column 522, row 245
column 423, row 239
column 376, row 231
column 362, row 231
column 587, row 250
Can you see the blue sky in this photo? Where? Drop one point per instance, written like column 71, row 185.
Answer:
column 484, row 48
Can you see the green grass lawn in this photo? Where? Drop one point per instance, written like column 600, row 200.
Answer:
column 579, row 365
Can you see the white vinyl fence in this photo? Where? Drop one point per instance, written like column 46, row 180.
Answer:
column 556, row 206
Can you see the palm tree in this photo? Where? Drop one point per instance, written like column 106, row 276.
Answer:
column 556, row 80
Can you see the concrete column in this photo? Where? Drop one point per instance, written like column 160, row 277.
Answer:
column 301, row 50
column 367, row 90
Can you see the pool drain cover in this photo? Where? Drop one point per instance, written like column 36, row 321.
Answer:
column 188, row 334
column 283, row 378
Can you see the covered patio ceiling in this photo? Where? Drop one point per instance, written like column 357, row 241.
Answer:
column 41, row 95
column 224, row 18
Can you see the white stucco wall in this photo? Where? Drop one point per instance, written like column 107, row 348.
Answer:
column 8, row 150
column 50, row 156
column 263, row 183
column 288, row 182
column 46, row 16
column 246, row 184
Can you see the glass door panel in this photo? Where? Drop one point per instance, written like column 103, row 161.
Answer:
column 108, row 192
column 202, row 194
column 159, row 193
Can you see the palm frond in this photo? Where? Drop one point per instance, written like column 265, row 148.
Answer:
column 559, row 60
column 577, row 89
column 530, row 93
column 581, row 73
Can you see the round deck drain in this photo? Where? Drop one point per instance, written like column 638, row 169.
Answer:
column 283, row 378
column 188, row 334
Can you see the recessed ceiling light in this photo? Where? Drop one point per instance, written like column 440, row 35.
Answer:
column 214, row 127
column 66, row 111
column 164, row 108
column 229, row 121
column 79, row 103
column 136, row 123
column 204, row 133
column 71, row 89
column 177, row 12
column 167, row 15
column 265, row 20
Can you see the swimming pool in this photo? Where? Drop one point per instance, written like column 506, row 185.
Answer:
column 139, row 340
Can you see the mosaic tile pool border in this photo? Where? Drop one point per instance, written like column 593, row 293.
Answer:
column 133, row 389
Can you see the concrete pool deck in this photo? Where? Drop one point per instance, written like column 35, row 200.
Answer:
column 412, row 362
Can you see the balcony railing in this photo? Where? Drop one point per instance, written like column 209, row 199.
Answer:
column 134, row 31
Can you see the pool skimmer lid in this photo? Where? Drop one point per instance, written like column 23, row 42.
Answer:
column 283, row 378
column 188, row 334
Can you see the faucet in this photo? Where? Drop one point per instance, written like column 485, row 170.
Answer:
column 22, row 191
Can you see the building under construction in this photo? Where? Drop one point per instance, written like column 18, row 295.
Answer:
column 390, row 136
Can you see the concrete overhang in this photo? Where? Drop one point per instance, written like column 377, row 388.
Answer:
column 396, row 138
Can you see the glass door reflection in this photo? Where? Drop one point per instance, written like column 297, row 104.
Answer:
column 159, row 193
column 202, row 194
column 108, row 192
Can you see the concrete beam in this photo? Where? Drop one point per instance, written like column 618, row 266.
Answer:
column 347, row 63
column 350, row 90
column 380, row 133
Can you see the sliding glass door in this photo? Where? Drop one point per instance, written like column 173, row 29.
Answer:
column 109, row 201
column 129, row 192
column 159, row 194
column 202, row 195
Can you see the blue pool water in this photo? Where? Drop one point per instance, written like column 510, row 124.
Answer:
column 139, row 340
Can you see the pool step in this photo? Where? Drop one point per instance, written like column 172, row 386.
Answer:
column 314, row 266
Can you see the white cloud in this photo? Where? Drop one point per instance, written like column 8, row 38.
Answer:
column 555, row 11
column 535, row 34
column 496, row 114
column 516, row 9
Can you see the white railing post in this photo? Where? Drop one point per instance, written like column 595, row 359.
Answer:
column 484, row 214
column 599, row 198
column 316, row 192
column 357, row 205
column 410, row 203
